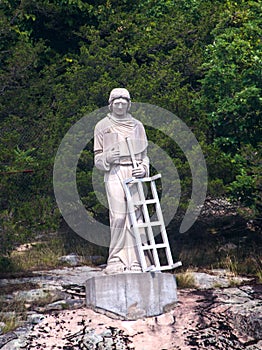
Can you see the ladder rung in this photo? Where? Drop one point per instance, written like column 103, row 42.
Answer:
column 177, row 264
column 148, row 224
column 150, row 268
column 144, row 179
column 152, row 246
column 147, row 201
column 165, row 267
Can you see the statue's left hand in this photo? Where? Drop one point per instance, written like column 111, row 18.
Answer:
column 139, row 172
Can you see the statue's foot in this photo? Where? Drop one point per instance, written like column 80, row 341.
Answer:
column 114, row 266
column 135, row 267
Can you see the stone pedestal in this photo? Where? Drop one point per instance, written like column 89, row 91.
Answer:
column 132, row 295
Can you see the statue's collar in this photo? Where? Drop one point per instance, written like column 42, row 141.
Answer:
column 128, row 118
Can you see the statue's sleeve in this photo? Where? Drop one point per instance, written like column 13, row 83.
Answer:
column 100, row 156
column 145, row 164
column 145, row 159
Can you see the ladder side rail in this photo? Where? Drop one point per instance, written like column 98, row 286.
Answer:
column 149, row 227
column 133, row 219
column 165, row 245
column 151, row 238
column 161, row 219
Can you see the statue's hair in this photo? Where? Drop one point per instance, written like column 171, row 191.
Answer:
column 119, row 93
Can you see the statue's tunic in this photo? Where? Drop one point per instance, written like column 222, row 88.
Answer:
column 111, row 132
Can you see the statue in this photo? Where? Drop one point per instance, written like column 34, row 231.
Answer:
column 113, row 158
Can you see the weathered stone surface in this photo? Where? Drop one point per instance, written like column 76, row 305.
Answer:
column 55, row 279
column 199, row 320
column 18, row 339
column 71, row 259
column 57, row 306
column 7, row 338
column 218, row 278
column 34, row 318
column 31, row 295
column 209, row 319
column 132, row 296
column 215, row 326
column 247, row 316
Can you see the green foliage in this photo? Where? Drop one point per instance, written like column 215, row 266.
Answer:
column 247, row 185
column 232, row 81
column 59, row 59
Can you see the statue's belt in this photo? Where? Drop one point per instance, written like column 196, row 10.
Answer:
column 127, row 161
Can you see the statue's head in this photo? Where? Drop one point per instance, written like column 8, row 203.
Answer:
column 119, row 93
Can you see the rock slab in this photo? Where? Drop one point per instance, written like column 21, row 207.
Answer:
column 132, row 296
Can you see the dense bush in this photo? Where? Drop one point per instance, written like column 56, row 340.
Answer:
column 59, row 60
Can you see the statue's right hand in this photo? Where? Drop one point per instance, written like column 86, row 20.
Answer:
column 112, row 155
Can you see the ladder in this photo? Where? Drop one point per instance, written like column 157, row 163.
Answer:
column 145, row 230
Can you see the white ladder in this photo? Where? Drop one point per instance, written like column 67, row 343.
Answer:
column 148, row 246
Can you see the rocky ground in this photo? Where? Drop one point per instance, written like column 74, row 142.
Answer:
column 214, row 315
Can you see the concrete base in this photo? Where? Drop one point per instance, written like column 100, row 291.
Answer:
column 132, row 295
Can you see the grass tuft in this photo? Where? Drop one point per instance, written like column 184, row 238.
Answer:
column 42, row 255
column 185, row 280
column 11, row 322
column 46, row 255
column 12, row 314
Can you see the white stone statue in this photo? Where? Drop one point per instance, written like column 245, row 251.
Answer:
column 112, row 156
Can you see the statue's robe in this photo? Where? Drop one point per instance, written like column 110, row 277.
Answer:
column 110, row 133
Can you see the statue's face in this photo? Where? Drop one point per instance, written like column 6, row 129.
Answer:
column 119, row 107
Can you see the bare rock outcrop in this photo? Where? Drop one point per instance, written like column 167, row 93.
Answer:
column 211, row 318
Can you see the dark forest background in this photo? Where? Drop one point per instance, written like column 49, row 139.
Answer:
column 201, row 60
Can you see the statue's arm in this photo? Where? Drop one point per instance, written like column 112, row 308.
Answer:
column 100, row 156
column 142, row 170
column 145, row 159
column 145, row 163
